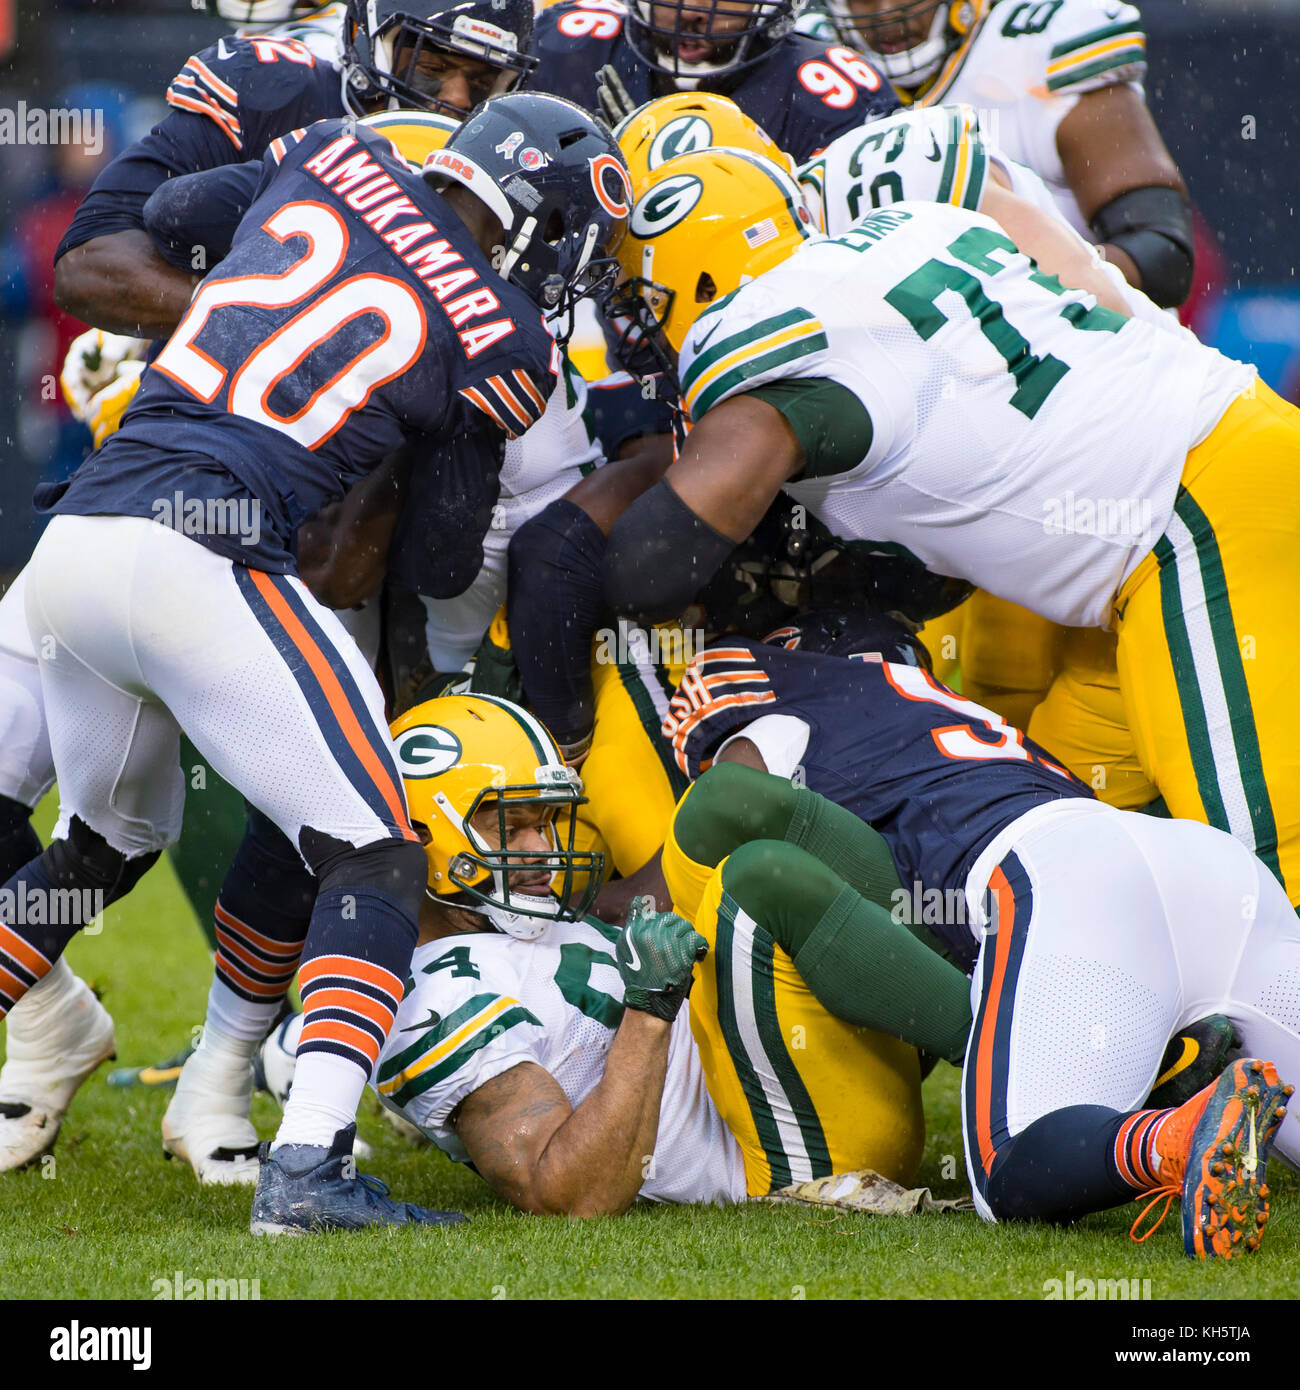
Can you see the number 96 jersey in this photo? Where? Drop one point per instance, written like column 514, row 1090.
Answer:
column 477, row 1005
column 953, row 399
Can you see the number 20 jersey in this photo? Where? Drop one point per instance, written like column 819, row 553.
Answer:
column 1009, row 431
column 480, row 1004
column 353, row 314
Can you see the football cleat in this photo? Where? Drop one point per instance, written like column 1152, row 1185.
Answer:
column 1214, row 1152
column 306, row 1188
column 1196, row 1055
column 42, row 1072
column 207, row 1122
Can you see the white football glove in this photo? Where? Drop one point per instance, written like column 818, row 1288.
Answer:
column 93, row 363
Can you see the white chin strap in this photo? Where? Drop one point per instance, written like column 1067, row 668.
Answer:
column 516, row 924
column 912, row 66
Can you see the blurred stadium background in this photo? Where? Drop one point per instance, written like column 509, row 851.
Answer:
column 1222, row 80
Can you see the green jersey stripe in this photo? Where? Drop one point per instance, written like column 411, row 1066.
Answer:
column 1093, row 36
column 955, row 126
column 760, row 1109
column 975, row 174
column 429, row 1078
column 1121, row 58
column 755, row 366
column 1189, row 691
column 1227, row 649
column 769, row 1032
column 434, row 1035
column 724, row 346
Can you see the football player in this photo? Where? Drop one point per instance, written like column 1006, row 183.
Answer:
column 559, row 1055
column 1057, row 84
column 283, row 408
column 920, row 379
column 1073, row 1008
column 315, row 26
column 227, row 104
column 801, row 91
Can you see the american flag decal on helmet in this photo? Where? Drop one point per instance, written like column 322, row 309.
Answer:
column 760, row 233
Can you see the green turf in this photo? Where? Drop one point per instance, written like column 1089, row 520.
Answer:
column 111, row 1217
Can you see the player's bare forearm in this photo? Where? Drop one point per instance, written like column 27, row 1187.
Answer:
column 606, row 493
column 1058, row 248
column 120, row 283
column 549, row 1159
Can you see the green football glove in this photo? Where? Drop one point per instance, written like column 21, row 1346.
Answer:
column 656, row 954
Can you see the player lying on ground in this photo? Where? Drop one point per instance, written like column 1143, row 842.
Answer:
column 921, row 381
column 557, row 1053
column 1093, row 934
column 270, row 689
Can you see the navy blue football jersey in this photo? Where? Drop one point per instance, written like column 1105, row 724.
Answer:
column 937, row 775
column 353, row 314
column 804, row 93
column 227, row 104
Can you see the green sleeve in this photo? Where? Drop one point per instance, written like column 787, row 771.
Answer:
column 832, row 426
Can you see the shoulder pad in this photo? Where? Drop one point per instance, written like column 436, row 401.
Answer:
column 239, row 83
column 1085, row 43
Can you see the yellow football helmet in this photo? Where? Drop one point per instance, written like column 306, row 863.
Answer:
column 683, row 123
column 457, row 754
column 415, row 135
column 705, row 224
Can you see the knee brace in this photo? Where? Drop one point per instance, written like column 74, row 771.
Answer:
column 86, row 860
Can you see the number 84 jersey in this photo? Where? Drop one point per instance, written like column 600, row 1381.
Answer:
column 953, row 399
column 477, row 1005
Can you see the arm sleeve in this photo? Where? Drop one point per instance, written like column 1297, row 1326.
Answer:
column 198, row 213
column 555, row 600
column 181, row 143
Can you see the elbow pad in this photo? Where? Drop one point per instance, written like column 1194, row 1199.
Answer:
column 1153, row 226
column 660, row 555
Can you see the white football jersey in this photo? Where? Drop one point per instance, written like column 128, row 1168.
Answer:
column 1026, row 63
column 932, row 154
column 1009, row 431
column 480, row 1004
column 540, row 465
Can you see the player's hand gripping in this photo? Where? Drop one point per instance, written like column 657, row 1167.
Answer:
column 615, row 102
column 656, row 954
column 101, row 375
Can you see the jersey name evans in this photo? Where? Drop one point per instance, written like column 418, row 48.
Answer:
column 365, row 188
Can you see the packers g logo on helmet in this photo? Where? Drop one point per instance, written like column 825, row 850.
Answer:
column 666, row 205
column 705, row 223
column 426, row 750
column 462, row 754
column 684, row 123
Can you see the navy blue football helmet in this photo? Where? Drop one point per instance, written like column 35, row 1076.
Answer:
column 697, row 40
column 555, row 177
column 870, row 636
column 391, row 50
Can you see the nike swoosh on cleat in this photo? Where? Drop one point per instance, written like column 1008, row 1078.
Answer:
column 1191, row 1051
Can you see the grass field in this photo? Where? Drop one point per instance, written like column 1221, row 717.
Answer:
column 110, row 1217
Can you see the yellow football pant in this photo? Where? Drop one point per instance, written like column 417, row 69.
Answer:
column 804, row 1093
column 1209, row 650
column 630, row 778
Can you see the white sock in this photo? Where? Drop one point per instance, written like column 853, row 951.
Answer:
column 326, row 1093
column 54, row 989
column 237, row 1017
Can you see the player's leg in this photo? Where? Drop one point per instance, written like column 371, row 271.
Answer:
column 804, row 1093
column 58, row 1032
column 1082, row 722
column 262, row 916
column 629, row 777
column 856, row 957
column 284, row 707
column 1075, row 1005
column 1207, row 654
column 1008, row 656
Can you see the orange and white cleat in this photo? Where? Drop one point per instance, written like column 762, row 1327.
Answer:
column 1213, row 1153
